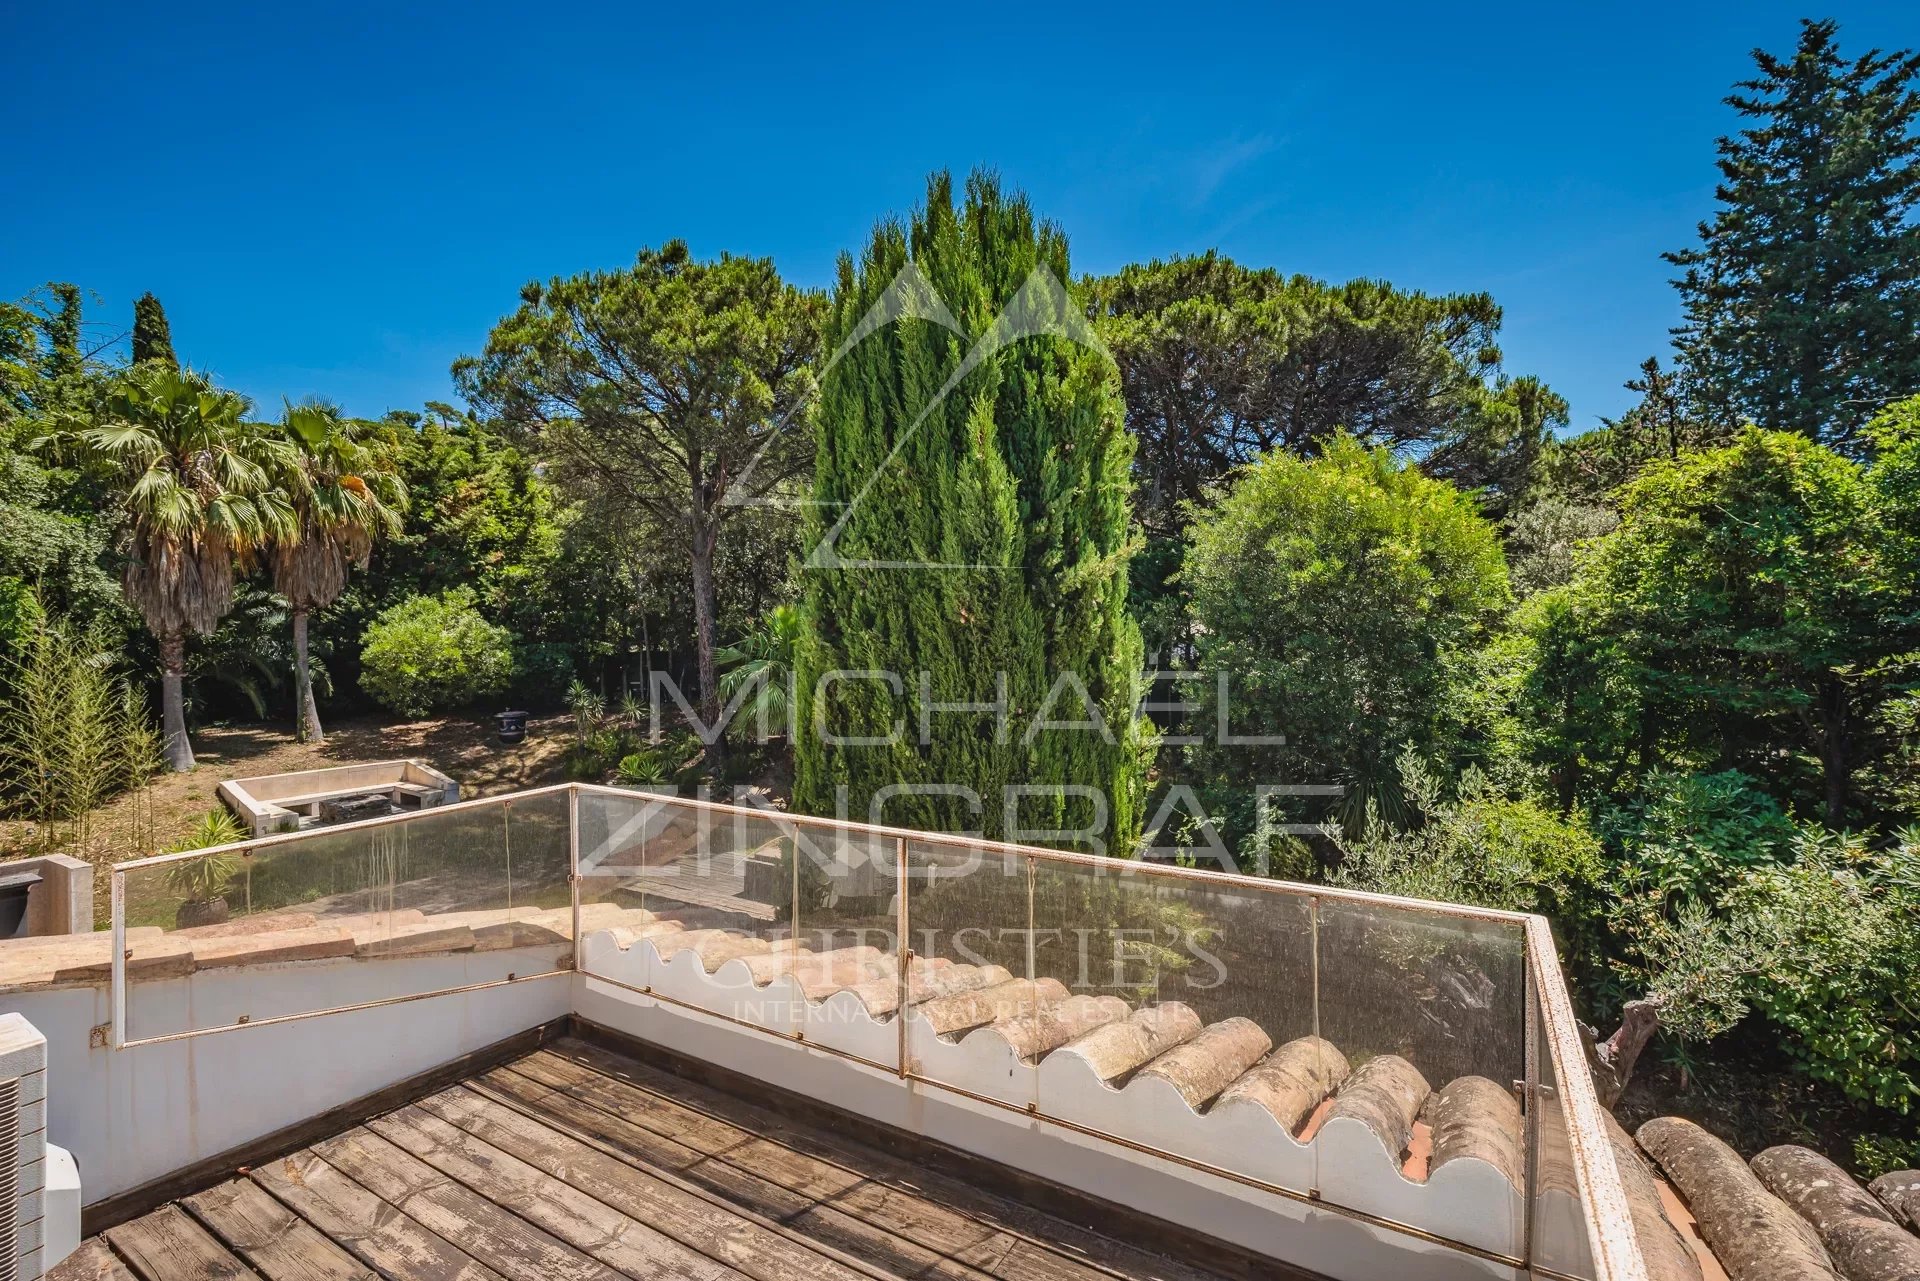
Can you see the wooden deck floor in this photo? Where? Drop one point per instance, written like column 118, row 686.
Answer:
column 578, row 1164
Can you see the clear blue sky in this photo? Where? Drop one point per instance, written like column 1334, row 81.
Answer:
column 340, row 201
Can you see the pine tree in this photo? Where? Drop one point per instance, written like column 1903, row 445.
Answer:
column 969, row 540
column 1802, row 301
column 152, row 337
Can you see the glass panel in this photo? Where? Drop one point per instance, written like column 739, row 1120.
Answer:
column 1446, row 995
column 671, row 892
column 619, row 831
column 970, row 917
column 847, row 960
column 1175, row 957
column 463, row 896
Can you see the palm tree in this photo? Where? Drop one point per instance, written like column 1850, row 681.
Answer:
column 199, row 487
column 764, row 661
column 345, row 494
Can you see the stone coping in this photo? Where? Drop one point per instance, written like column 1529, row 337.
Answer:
column 275, row 938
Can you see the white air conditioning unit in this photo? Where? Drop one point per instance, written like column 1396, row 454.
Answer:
column 39, row 1213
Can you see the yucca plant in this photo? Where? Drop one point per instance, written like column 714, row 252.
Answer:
column 589, row 710
column 201, row 489
column 641, row 769
column 345, row 493
column 201, row 883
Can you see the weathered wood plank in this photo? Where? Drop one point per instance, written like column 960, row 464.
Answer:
column 368, row 1228
column 809, row 1180
column 1073, row 1239
column 710, row 1228
column 584, row 1222
column 497, row 1237
column 808, row 1176
column 275, row 1241
column 684, row 1125
column 934, row 1210
column 916, row 1218
column 641, row 1145
column 879, row 1248
column 167, row 1245
column 91, row 1260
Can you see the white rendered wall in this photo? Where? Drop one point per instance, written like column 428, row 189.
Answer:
column 133, row 1115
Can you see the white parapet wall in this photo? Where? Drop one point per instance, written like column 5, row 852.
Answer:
column 136, row 1114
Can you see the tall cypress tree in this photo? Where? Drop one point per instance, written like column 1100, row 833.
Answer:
column 1802, row 300
column 969, row 540
column 61, row 325
column 152, row 337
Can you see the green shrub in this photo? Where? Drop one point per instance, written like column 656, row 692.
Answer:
column 1693, row 835
column 541, row 672
column 1839, row 962
column 588, row 758
column 434, row 653
column 215, row 827
column 1480, row 848
column 642, row 767
column 1878, row 1154
column 21, row 615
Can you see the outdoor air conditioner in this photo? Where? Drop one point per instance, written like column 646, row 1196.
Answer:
column 39, row 1187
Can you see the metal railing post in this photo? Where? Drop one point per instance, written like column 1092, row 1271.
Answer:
column 1313, row 962
column 798, row 1010
column 118, row 892
column 1313, row 948
column 903, row 949
column 1530, row 1105
column 1033, row 974
column 573, row 870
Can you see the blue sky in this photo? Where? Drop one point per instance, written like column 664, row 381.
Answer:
column 338, row 203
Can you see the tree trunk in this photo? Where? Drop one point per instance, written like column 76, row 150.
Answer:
column 173, row 707
column 1613, row 1060
column 1835, row 748
column 306, row 713
column 703, row 635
